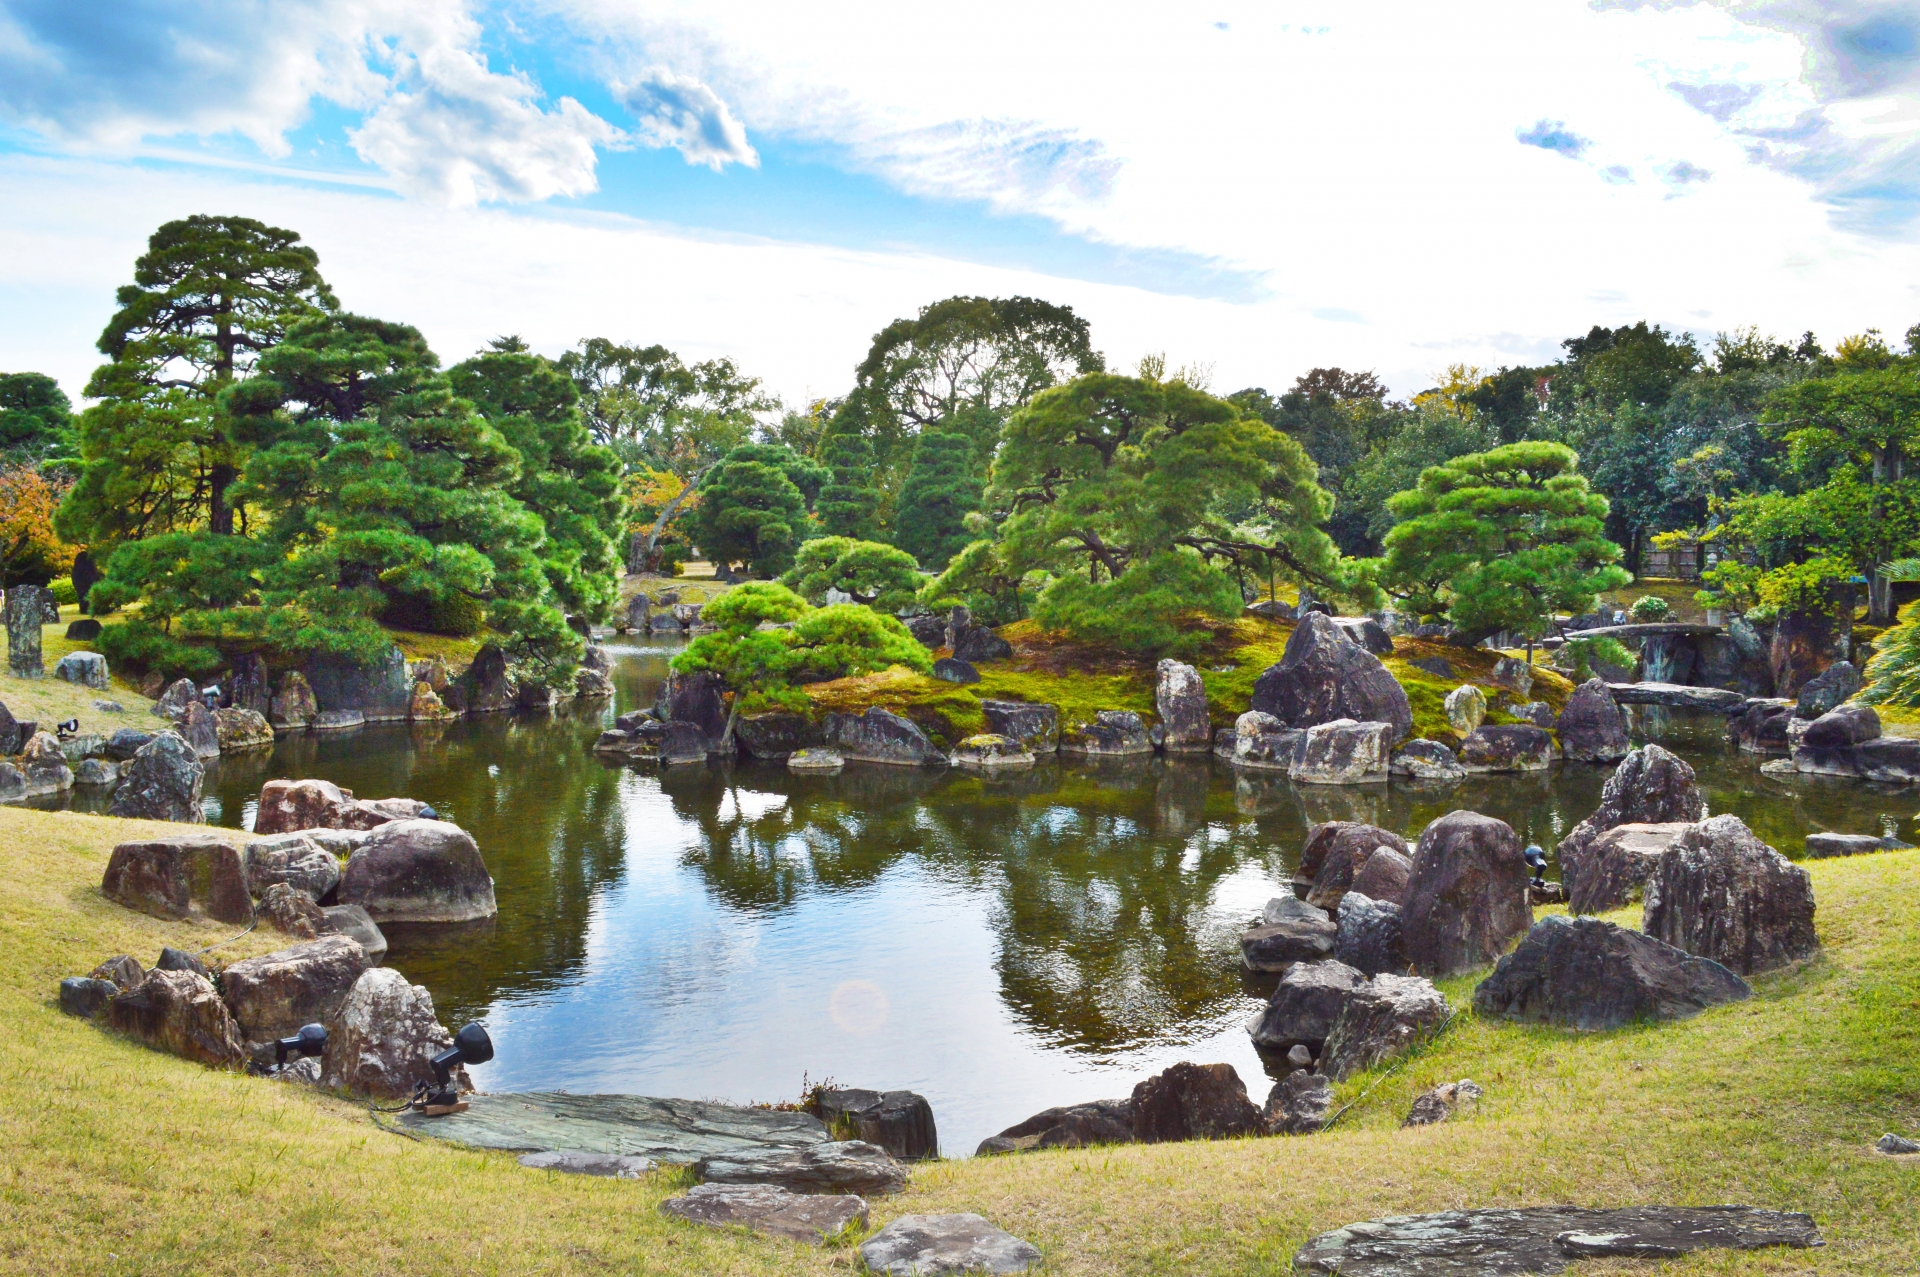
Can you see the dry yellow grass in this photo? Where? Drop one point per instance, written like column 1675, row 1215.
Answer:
column 49, row 700
column 115, row 1159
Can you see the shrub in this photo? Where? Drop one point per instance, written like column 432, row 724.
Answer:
column 1651, row 607
column 880, row 576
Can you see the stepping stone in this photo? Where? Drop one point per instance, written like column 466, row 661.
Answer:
column 1897, row 1145
column 570, row 1162
column 769, row 1209
column 1544, row 1239
column 917, row 1244
column 674, row 1131
column 847, row 1166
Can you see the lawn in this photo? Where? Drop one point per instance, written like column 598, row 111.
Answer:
column 120, row 1160
column 49, row 700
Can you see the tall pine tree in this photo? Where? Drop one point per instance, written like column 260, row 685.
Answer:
column 941, row 489
column 849, row 501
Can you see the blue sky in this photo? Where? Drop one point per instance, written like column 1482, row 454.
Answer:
column 1254, row 188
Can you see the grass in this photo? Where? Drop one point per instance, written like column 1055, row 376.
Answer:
column 1678, row 594
column 121, row 1160
column 49, row 700
column 702, row 588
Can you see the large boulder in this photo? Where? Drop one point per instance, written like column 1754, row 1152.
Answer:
column 249, row 685
column 125, row 743
column 1112, row 733
column 1828, row 690
column 357, row 925
column 1323, row 675
column 1381, row 1019
column 181, row 1013
column 44, row 764
column 26, row 611
column 1585, row 973
column 638, row 617
column 179, row 878
column 1072, row 1126
column 1761, row 728
column 198, row 727
column 1035, row 726
column 172, row 703
column 647, row 739
column 776, row 735
column 1466, row 707
column 89, row 669
column 966, row 1243
column 294, row 859
column 767, row 1208
column 419, row 871
column 1467, row 896
column 1827, row 745
column 1340, row 849
column 1262, row 742
column 294, row 707
column 86, row 997
column 951, row 669
column 1650, row 787
column 240, row 731
column 989, row 753
column 1721, row 893
column 1193, row 1102
column 271, row 996
column 929, row 631
column 380, row 693
column 1383, row 877
column 382, row 1036
column 843, row 1166
column 1180, row 698
column 1342, row 752
column 1616, row 865
column 486, row 687
column 696, row 698
column 881, row 736
column 1426, row 760
column 1298, row 1104
column 1514, row 674
column 1304, row 1006
column 901, row 1122
column 1592, row 728
column 287, row 806
column 1511, row 747
column 977, row 643
column 290, row 911
column 1368, row 935
column 1368, row 633
column 1289, row 931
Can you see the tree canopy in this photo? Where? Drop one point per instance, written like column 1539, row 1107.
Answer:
column 880, row 576
column 36, row 419
column 942, row 488
column 655, row 410
column 754, row 507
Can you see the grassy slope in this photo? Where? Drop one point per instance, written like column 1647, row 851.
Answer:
column 120, row 1160
column 49, row 700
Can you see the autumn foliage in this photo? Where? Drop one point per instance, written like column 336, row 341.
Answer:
column 29, row 550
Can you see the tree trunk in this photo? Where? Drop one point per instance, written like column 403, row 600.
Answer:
column 219, row 513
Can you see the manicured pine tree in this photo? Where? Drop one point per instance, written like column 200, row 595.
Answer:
column 848, row 501
column 941, row 489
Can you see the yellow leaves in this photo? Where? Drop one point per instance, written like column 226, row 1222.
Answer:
column 1456, row 382
column 28, row 544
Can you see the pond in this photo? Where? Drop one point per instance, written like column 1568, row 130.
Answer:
column 999, row 945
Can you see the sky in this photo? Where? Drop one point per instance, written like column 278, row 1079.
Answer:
column 1252, row 189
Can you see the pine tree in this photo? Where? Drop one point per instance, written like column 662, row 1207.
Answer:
column 849, row 500
column 941, row 489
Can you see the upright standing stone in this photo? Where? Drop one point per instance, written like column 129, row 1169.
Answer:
column 1181, row 699
column 1719, row 892
column 26, row 613
column 249, row 685
column 1467, row 896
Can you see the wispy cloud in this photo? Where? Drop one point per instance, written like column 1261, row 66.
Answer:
column 682, row 112
column 1555, row 136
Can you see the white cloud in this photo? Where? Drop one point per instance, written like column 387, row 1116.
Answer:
column 681, row 112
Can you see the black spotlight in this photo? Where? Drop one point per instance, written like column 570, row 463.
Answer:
column 310, row 1040
column 471, row 1045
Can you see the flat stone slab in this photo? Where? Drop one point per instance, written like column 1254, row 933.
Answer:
column 1674, row 696
column 572, row 1162
column 676, row 1131
column 1648, row 629
column 1543, row 1239
column 845, row 1166
column 769, row 1209
column 916, row 1244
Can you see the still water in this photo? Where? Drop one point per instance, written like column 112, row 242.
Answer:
column 999, row 945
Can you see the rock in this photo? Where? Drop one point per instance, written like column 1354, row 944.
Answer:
column 1466, row 708
column 1888, row 760
column 121, row 971
column 200, row 731
column 1761, row 728
column 978, row 643
column 419, row 871
column 1438, row 666
column 535, row 698
column 1891, row 1144
column 294, row 859
column 1112, row 733
column 239, row 731
column 1342, row 752
column 602, row 1165
column 988, row 752
column 96, row 771
column 687, row 615
column 815, row 760
column 1368, row 936
column 290, row 911
column 125, row 743
column 425, row 706
column 1035, row 726
column 930, row 1244
column 1264, row 743
column 1517, row 747
column 26, row 607
column 355, row 924
column 650, row 740
column 1822, row 845
column 1540, row 714
column 1543, row 1239
column 81, row 746
column 86, row 997
column 1828, row 690
column 1367, row 632
column 898, row 1121
column 881, row 736
column 844, row 1166
column 1513, row 674
column 380, row 693
column 44, row 764
column 11, row 737
column 764, row 1208
column 1586, row 973
column 172, row 959
column 774, row 736
column 1298, row 1104
column 1193, row 1102
column 84, row 630
column 1466, row 899
column 180, row 1013
column 1667, row 658
column 1615, row 866
column 1592, row 728
column 1304, row 1006
column 1721, row 893
column 951, row 669
column 1180, row 699
column 1341, row 849
column 380, row 1040
column 273, row 995
column 288, row 806
column 89, row 669
column 1382, row 1018
column 638, row 617
column 249, row 686
column 179, row 877
column 1324, row 676
column 1291, row 931
column 487, row 687
column 1074, row 1126
column 1442, row 1102
column 929, row 631
column 1426, row 760
column 13, row 783
column 1383, row 877
column 1841, row 728
column 294, row 706
column 1649, row 787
